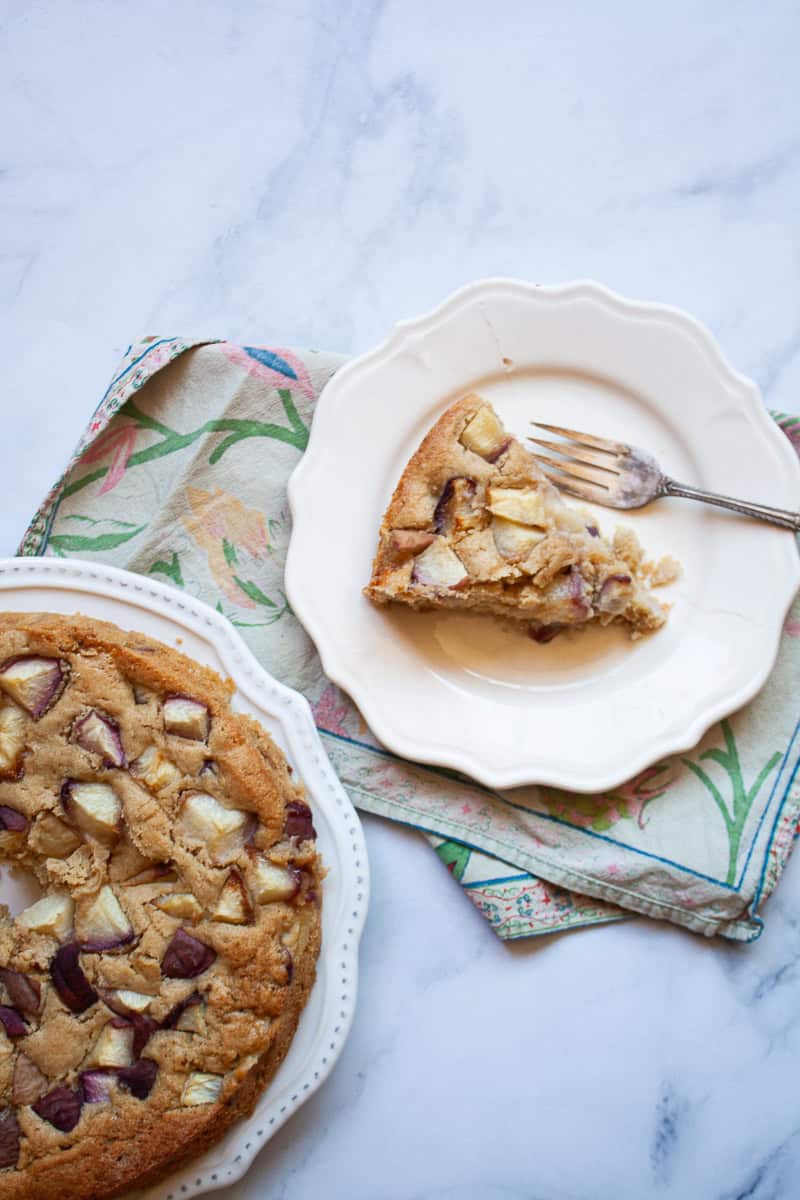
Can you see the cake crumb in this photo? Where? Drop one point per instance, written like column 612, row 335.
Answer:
column 667, row 570
column 626, row 547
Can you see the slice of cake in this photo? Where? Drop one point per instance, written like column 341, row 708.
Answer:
column 474, row 524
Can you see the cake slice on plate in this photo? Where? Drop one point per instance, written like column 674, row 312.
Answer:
column 474, row 524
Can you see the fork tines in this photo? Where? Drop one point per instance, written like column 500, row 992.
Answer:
column 586, row 439
column 586, row 464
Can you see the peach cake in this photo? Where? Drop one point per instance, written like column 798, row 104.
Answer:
column 152, row 991
column 474, row 524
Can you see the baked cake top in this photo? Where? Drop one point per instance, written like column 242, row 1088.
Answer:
column 156, row 985
column 475, row 524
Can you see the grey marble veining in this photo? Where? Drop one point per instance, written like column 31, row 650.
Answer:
column 307, row 173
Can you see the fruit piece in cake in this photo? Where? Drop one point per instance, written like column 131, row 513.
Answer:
column 114, row 1046
column 124, row 1002
column 186, row 718
column 12, row 741
column 51, row 915
column 96, row 1086
column 484, row 434
column 270, row 881
column 24, row 992
column 12, row 1022
column 70, row 981
column 34, row 683
column 12, row 820
column 188, row 1016
column 180, row 904
column 475, row 525
column 153, row 873
column 101, row 925
column 139, row 1078
column 186, row 956
column 93, row 807
column 205, row 822
column 233, row 905
column 61, row 1108
column 51, row 837
column 439, row 566
column 299, row 821
column 155, row 769
column 201, row 1088
column 143, row 1029
column 99, row 733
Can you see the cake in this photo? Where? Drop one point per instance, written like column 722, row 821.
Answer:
column 475, row 525
column 152, row 991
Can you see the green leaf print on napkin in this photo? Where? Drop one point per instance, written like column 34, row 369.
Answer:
column 254, row 592
column 229, row 533
column 77, row 543
column 455, row 857
column 736, row 813
column 255, row 624
column 171, row 441
column 171, row 569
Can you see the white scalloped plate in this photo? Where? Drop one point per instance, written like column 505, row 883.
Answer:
column 136, row 603
column 589, row 710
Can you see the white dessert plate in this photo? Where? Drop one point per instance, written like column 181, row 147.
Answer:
column 590, row 709
column 136, row 603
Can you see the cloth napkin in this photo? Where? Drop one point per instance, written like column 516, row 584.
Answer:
column 181, row 474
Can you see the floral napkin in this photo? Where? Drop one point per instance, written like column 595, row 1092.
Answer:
column 181, row 474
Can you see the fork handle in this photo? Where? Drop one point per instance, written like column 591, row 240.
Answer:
column 763, row 512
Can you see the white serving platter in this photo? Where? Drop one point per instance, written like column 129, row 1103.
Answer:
column 136, row 603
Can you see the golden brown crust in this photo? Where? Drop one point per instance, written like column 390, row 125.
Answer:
column 245, row 1099
column 474, row 525
column 254, row 991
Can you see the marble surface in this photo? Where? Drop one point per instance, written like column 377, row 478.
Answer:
column 307, row 173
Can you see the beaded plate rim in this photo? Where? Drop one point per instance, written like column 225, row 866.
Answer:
column 347, row 889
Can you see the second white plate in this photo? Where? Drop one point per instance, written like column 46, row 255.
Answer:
column 586, row 711
column 137, row 603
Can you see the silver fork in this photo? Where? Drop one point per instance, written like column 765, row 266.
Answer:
column 621, row 476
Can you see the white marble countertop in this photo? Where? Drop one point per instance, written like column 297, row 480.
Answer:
column 307, row 172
